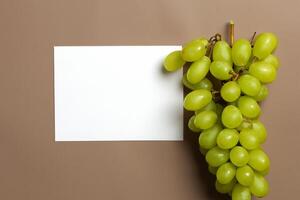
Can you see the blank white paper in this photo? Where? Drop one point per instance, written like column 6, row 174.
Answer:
column 116, row 93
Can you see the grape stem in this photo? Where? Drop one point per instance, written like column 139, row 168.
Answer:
column 235, row 75
column 231, row 32
column 216, row 95
column 211, row 43
column 252, row 60
column 252, row 39
column 215, row 92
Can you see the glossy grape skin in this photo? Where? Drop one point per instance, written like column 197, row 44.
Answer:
column 248, row 107
column 205, row 119
column 198, row 70
column 231, row 116
column 245, row 175
column 241, row 52
column 193, row 50
column 261, row 132
column 217, row 156
column 221, row 70
column 227, row 138
column 173, row 61
column 273, row 60
column 263, row 93
column 260, row 186
column 211, row 106
column 225, row 188
column 264, row 45
column 192, row 126
column 265, row 72
column 259, row 160
column 249, row 85
column 226, row 173
column 208, row 138
column 203, row 84
column 212, row 170
column 249, row 139
column 197, row 99
column 240, row 192
column 239, row 156
column 230, row 91
column 222, row 52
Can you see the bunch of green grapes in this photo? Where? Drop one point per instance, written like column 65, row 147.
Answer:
column 227, row 84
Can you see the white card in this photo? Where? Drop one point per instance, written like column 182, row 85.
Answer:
column 115, row 93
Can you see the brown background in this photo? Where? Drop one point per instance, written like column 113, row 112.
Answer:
column 34, row 167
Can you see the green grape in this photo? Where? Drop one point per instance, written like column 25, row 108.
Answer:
column 230, row 91
column 265, row 72
column 245, row 175
column 211, row 106
column 208, row 138
column 260, row 130
column 192, row 126
column 203, row 40
column 198, row 70
column 264, row 45
column 262, row 95
column 239, row 172
column 193, row 50
column 249, row 85
column 231, row 116
column 173, row 61
column 249, row 139
column 241, row 52
column 244, row 124
column 259, row 160
column 212, row 170
column 205, row 119
column 226, row 173
column 222, row 52
column 248, row 107
column 225, row 188
column 197, row 99
column 227, row 138
column 221, row 70
column 260, row 186
column 240, row 192
column 217, row 156
column 239, row 156
column 273, row 60
column 203, row 84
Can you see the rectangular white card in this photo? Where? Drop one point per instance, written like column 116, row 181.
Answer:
column 115, row 93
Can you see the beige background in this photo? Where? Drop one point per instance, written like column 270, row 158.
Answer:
column 34, row 167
